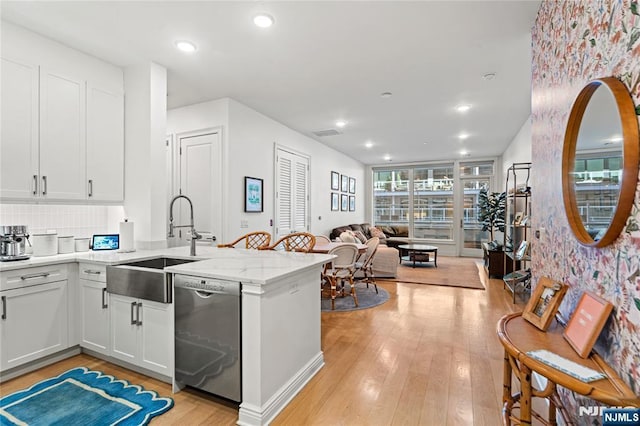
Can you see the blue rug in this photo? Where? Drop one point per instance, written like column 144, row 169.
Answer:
column 82, row 397
column 367, row 298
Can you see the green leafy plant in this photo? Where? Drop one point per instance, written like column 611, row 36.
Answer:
column 492, row 210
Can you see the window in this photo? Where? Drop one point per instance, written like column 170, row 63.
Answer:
column 419, row 198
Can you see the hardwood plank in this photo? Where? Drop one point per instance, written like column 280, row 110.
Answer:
column 429, row 356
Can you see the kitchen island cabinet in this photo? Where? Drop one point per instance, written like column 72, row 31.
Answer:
column 142, row 333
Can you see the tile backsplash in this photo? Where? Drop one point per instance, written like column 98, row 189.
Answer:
column 76, row 220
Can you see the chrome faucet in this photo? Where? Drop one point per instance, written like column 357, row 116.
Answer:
column 194, row 235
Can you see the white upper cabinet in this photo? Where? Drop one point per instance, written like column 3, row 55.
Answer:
column 62, row 137
column 62, row 122
column 105, row 144
column 19, row 130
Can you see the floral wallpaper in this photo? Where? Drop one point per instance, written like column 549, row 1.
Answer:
column 574, row 42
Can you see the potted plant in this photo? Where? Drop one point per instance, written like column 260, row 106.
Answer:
column 491, row 212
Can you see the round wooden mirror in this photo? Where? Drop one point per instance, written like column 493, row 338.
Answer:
column 600, row 162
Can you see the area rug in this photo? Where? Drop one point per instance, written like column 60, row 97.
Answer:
column 367, row 298
column 451, row 271
column 82, row 397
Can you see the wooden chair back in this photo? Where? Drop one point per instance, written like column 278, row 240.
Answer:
column 253, row 240
column 298, row 241
column 372, row 247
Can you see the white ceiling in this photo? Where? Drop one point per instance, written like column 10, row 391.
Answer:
column 327, row 60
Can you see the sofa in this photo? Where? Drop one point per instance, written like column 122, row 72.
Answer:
column 385, row 263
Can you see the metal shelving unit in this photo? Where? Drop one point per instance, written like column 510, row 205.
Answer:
column 518, row 228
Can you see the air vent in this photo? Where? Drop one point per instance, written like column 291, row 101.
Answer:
column 328, row 132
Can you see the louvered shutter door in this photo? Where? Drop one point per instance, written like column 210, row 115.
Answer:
column 292, row 197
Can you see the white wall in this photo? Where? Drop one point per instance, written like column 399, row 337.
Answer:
column 518, row 151
column 249, row 139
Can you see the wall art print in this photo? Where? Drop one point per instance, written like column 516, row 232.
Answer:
column 573, row 43
column 253, row 195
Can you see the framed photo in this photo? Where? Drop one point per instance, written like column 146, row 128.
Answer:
column 352, row 185
column 253, row 193
column 344, row 183
column 518, row 218
column 344, row 202
column 352, row 203
column 335, row 202
column 544, row 303
column 522, row 250
column 335, row 181
column 587, row 321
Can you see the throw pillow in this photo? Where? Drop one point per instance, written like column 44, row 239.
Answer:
column 348, row 237
column 360, row 236
column 375, row 232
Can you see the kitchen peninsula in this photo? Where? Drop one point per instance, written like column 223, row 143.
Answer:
column 280, row 314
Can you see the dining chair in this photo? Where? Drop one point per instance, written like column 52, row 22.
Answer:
column 252, row 240
column 365, row 265
column 341, row 269
column 297, row 241
column 322, row 239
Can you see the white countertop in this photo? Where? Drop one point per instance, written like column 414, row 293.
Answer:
column 247, row 266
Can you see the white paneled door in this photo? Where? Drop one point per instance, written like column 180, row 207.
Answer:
column 292, row 193
column 200, row 179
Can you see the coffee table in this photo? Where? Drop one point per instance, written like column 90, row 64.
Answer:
column 419, row 253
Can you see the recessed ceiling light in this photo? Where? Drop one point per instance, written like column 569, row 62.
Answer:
column 615, row 138
column 263, row 20
column 186, row 46
column 489, row 76
column 463, row 136
column 463, row 108
column 368, row 144
column 387, row 157
column 464, row 152
column 341, row 123
column 386, row 95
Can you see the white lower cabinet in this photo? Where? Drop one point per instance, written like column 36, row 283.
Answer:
column 94, row 318
column 141, row 333
column 34, row 322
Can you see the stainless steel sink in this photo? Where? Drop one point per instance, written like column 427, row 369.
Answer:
column 144, row 279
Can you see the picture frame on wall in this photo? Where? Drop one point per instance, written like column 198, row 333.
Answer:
column 253, row 195
column 352, row 203
column 344, row 202
column 352, row 185
column 544, row 303
column 344, row 183
column 335, row 181
column 335, row 202
column 586, row 323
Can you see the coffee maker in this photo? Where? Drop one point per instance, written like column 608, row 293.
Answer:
column 13, row 239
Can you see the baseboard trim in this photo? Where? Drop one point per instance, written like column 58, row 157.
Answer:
column 39, row 363
column 252, row 415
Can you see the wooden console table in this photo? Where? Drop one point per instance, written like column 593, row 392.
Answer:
column 519, row 337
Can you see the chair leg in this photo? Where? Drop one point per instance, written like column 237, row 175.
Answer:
column 332, row 281
column 373, row 280
column 353, row 291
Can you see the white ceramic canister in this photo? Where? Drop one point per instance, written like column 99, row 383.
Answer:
column 44, row 244
column 82, row 244
column 65, row 244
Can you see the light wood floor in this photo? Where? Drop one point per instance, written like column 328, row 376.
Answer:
column 429, row 356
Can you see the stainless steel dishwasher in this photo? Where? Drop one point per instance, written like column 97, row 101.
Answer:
column 207, row 335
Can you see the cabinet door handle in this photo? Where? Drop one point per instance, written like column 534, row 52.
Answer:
column 35, row 184
column 139, row 313
column 4, row 307
column 104, row 299
column 90, row 187
column 92, row 272
column 44, row 185
column 133, row 308
column 34, row 276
